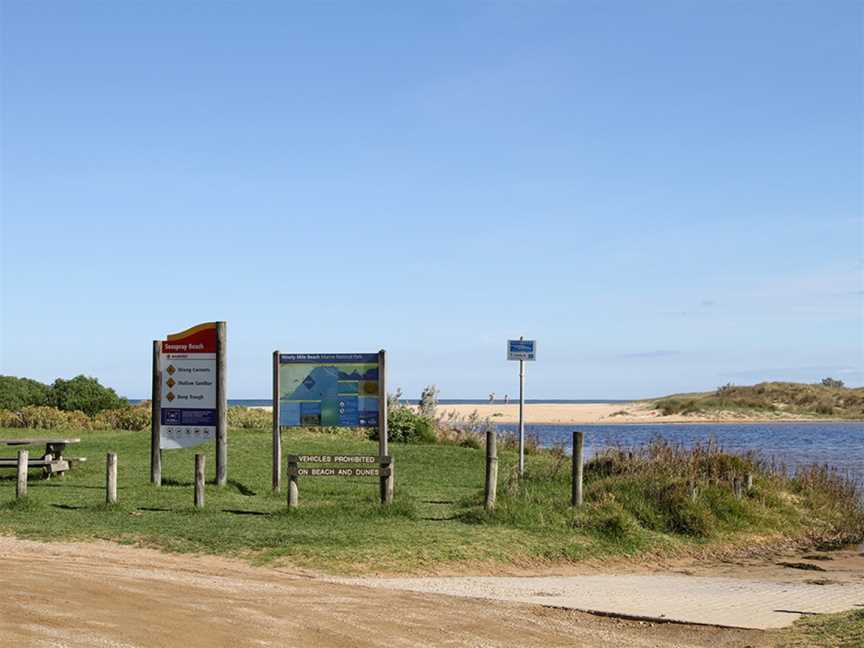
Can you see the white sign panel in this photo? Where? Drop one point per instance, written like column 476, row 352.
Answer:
column 188, row 396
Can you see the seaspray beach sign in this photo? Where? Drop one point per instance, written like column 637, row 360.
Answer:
column 521, row 349
column 188, row 394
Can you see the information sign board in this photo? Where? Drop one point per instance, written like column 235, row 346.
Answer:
column 328, row 389
column 188, row 394
column 521, row 349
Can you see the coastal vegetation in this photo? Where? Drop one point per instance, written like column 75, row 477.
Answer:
column 657, row 500
column 828, row 399
column 841, row 630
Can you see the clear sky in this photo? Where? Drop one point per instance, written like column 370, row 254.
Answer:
column 667, row 195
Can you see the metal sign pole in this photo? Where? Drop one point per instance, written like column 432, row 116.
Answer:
column 521, row 417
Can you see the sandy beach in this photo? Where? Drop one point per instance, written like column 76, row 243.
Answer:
column 584, row 413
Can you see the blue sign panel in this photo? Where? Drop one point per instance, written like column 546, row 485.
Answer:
column 521, row 349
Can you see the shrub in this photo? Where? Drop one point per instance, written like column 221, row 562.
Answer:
column 40, row 416
column 428, row 402
column 832, row 382
column 16, row 393
column 10, row 419
column 406, row 426
column 85, row 394
column 125, row 418
column 249, row 418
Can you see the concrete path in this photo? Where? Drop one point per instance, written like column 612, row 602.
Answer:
column 721, row 601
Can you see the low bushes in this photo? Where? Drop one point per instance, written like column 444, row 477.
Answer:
column 80, row 393
column 249, row 418
column 829, row 398
column 660, row 490
column 407, row 426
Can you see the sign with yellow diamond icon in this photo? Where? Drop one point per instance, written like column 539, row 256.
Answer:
column 188, row 413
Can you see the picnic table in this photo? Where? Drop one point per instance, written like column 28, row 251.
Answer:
column 52, row 460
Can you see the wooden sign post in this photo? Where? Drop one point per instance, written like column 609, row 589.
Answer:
column 156, row 416
column 189, row 395
column 386, row 481
column 334, row 465
column 330, row 390
column 277, row 430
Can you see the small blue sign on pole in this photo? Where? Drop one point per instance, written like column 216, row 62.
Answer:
column 521, row 349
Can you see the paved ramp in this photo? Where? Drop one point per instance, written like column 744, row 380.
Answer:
column 721, row 601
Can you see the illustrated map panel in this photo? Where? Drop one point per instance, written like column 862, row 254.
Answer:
column 328, row 389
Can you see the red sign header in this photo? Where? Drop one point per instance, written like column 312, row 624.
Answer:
column 198, row 339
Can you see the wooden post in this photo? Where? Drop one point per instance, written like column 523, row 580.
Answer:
column 576, row 496
column 736, row 487
column 277, row 437
column 293, row 490
column 199, row 481
column 111, row 478
column 221, row 405
column 386, row 483
column 21, row 489
column 491, row 469
column 749, row 485
column 156, row 416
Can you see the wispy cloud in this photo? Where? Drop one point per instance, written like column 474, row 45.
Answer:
column 648, row 355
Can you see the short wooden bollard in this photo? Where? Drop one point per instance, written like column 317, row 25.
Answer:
column 491, row 469
column 111, row 478
column 749, row 485
column 199, row 481
column 293, row 490
column 737, row 487
column 578, row 459
column 23, row 458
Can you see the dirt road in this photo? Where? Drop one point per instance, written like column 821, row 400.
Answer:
column 102, row 594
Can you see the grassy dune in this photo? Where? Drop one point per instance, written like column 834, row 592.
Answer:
column 771, row 399
column 635, row 503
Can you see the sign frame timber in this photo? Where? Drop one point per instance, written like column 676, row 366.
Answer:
column 333, row 465
column 342, row 391
column 189, row 402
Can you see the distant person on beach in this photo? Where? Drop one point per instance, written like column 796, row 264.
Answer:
column 492, row 397
column 506, row 399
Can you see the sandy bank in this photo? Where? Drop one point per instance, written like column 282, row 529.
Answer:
column 585, row 413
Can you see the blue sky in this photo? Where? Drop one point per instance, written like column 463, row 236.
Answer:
column 668, row 196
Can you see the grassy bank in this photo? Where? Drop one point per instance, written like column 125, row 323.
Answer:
column 634, row 504
column 843, row 630
column 771, row 399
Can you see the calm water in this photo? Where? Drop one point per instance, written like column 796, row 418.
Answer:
column 840, row 445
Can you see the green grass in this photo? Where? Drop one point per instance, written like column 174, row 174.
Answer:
column 633, row 505
column 843, row 630
column 771, row 399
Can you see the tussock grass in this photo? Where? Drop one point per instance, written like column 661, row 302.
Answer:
column 771, row 398
column 843, row 630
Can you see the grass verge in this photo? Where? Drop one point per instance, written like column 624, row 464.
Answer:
column 636, row 502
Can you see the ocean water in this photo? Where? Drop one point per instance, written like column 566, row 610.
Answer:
column 837, row 444
column 257, row 402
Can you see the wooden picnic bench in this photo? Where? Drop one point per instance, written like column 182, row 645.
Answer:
column 52, row 461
